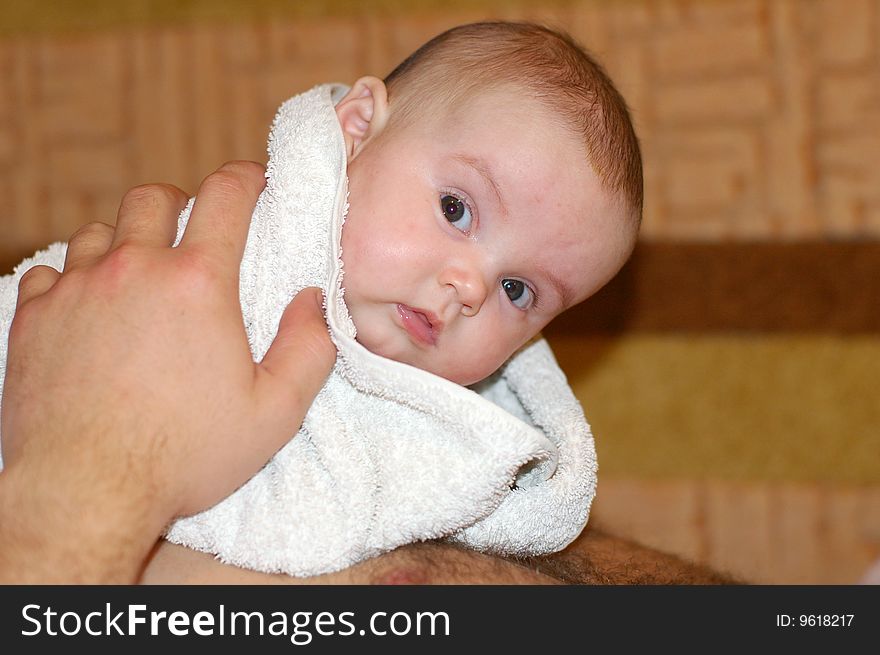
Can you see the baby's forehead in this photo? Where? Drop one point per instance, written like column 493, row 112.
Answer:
column 554, row 202
column 462, row 100
column 489, row 111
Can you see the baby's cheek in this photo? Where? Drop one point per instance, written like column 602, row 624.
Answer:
column 467, row 368
column 354, row 262
column 364, row 257
column 487, row 352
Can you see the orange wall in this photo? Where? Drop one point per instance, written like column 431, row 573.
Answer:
column 759, row 119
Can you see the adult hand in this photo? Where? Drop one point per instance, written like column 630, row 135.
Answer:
column 131, row 396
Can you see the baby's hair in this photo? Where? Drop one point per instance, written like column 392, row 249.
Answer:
column 544, row 63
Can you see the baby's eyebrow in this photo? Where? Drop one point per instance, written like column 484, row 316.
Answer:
column 483, row 169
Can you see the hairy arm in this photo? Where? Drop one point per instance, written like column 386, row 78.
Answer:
column 594, row 558
column 61, row 531
column 600, row 558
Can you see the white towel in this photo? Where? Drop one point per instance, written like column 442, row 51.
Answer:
column 388, row 454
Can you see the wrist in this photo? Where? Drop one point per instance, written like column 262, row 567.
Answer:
column 61, row 531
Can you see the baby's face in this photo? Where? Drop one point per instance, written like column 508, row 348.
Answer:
column 467, row 233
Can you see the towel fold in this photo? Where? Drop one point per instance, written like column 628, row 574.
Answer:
column 388, row 454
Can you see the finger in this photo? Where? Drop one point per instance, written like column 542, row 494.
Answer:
column 35, row 282
column 219, row 222
column 296, row 365
column 148, row 215
column 87, row 244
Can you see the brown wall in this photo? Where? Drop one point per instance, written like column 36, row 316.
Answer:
column 758, row 119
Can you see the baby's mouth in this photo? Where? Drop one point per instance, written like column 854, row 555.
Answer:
column 421, row 325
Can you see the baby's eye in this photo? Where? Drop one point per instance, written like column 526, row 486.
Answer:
column 520, row 294
column 456, row 211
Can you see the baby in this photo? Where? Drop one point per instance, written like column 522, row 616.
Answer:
column 495, row 181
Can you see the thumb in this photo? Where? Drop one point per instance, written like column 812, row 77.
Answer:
column 297, row 364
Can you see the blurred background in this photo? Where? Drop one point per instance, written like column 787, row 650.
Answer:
column 731, row 373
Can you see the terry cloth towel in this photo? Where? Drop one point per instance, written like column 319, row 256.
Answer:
column 388, row 454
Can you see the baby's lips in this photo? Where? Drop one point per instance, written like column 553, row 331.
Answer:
column 418, row 324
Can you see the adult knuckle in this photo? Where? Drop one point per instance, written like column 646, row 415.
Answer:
column 246, row 176
column 195, row 274
column 138, row 197
column 36, row 276
column 30, row 283
column 227, row 182
column 28, row 277
column 245, row 168
column 121, row 261
column 94, row 227
column 147, row 197
column 168, row 194
column 90, row 233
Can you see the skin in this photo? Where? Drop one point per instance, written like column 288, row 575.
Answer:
column 527, row 209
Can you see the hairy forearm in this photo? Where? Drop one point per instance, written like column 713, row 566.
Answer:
column 59, row 532
column 596, row 557
column 442, row 563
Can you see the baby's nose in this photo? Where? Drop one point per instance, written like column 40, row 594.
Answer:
column 469, row 286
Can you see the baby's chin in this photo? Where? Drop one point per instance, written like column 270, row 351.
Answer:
column 392, row 344
column 464, row 377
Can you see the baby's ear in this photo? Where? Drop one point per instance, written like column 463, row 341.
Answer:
column 362, row 113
